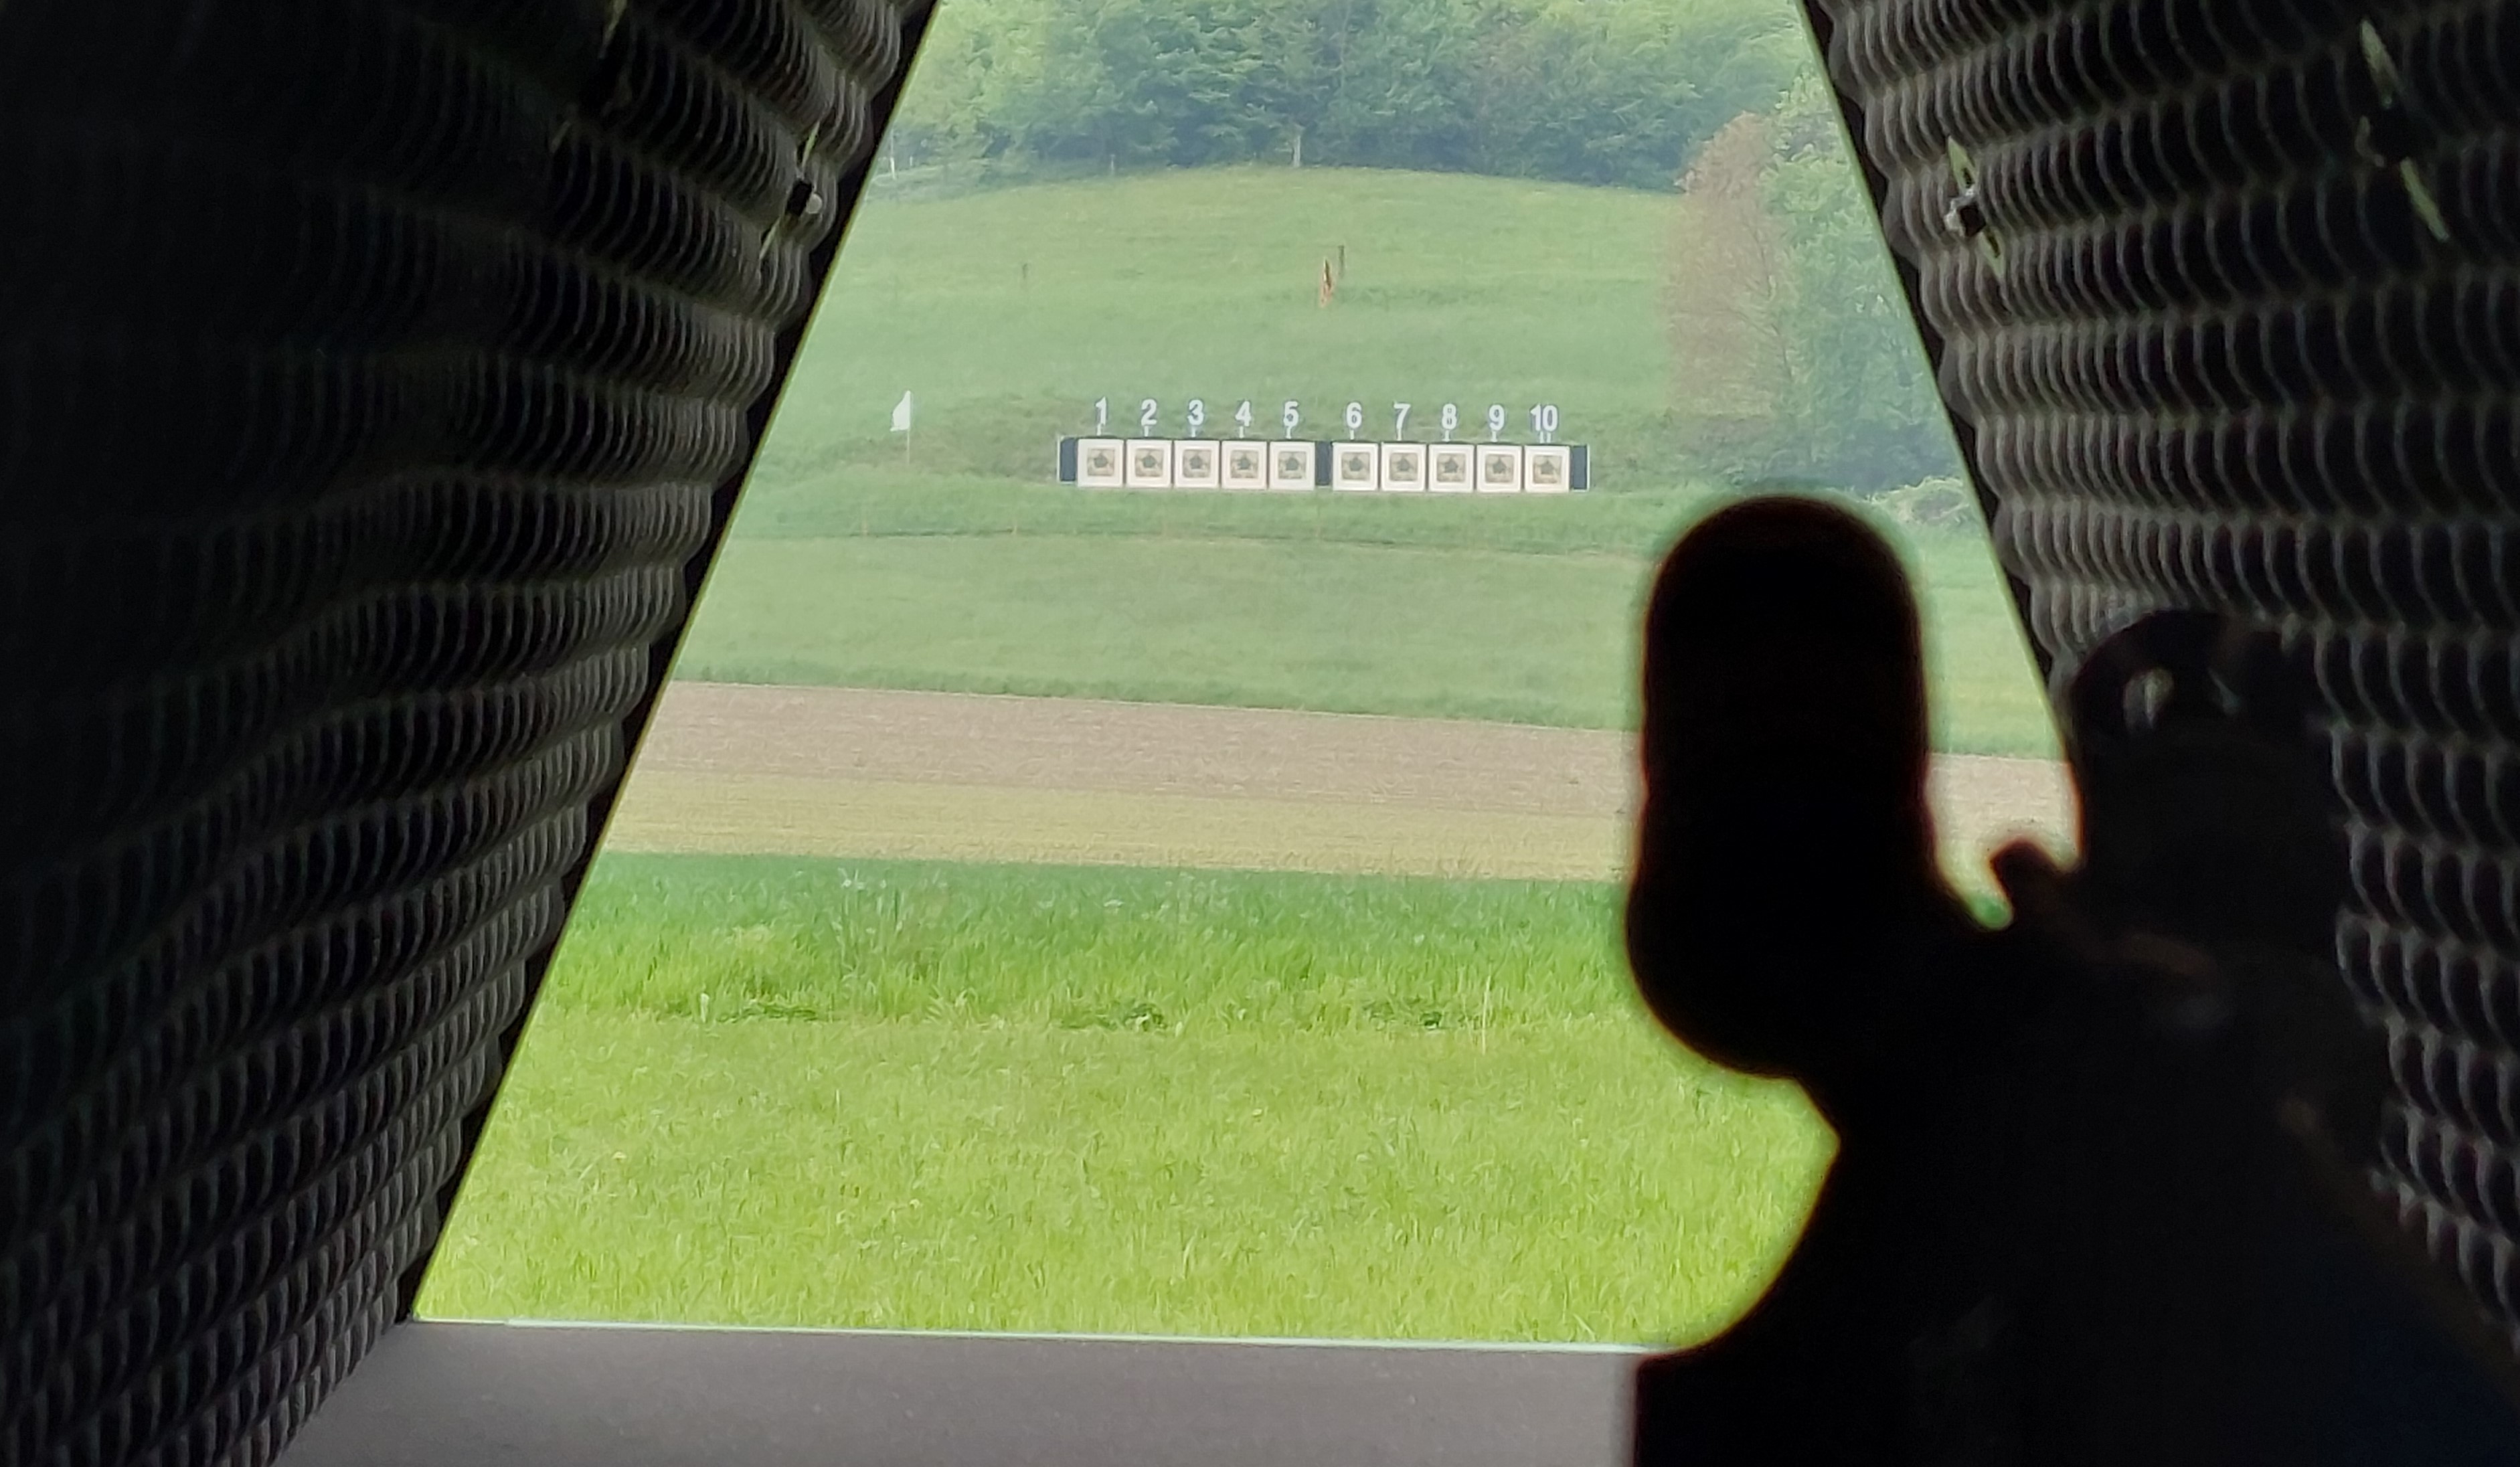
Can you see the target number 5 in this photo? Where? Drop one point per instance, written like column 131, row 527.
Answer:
column 1291, row 417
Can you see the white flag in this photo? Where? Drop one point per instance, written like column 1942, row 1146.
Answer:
column 901, row 414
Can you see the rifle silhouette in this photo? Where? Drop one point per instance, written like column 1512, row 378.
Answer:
column 2100, row 1194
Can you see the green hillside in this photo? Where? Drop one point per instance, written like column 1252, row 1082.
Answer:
column 949, row 561
column 1009, row 313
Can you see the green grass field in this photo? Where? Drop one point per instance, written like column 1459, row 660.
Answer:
column 775, row 1091
column 1037, row 1098
column 949, row 561
column 1009, row 313
column 1275, row 620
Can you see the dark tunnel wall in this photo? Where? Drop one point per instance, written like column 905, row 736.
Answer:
column 2224, row 296
column 376, row 379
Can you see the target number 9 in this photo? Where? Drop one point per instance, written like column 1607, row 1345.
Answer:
column 1496, row 421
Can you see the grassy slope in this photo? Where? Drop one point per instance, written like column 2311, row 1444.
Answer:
column 1009, row 313
column 950, row 563
column 1036, row 1098
column 1271, row 622
column 1229, row 1103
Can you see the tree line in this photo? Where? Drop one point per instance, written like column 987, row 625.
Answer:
column 1796, row 355
column 1611, row 92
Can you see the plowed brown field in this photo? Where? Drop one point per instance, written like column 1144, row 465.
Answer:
column 844, row 771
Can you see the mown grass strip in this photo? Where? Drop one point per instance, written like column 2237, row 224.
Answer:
column 1273, row 952
column 1559, row 1180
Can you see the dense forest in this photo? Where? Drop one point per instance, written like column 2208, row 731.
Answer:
column 1798, row 358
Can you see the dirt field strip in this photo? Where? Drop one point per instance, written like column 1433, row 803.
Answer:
column 843, row 772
